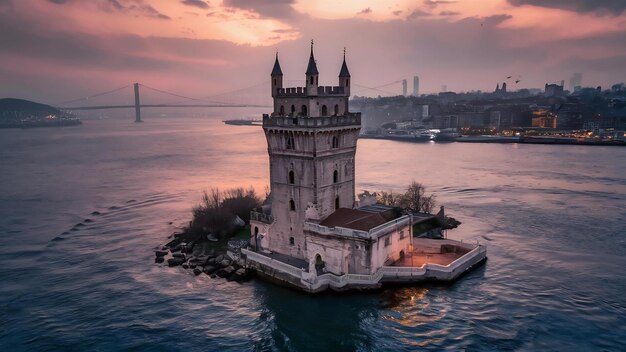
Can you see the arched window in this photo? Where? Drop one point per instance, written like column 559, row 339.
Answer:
column 347, row 82
column 292, row 177
column 303, row 110
column 336, row 109
column 282, row 110
column 337, row 203
column 335, row 142
column 289, row 143
column 324, row 110
column 293, row 109
column 292, row 205
column 292, row 241
column 318, row 260
column 311, row 80
column 335, row 176
column 274, row 81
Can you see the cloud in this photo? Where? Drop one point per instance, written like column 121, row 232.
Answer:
column 365, row 11
column 417, row 13
column 280, row 9
column 614, row 7
column 196, row 3
column 397, row 12
column 435, row 3
column 449, row 13
column 58, row 2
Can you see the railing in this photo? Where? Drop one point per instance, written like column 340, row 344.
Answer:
column 426, row 271
column 273, row 263
column 264, row 218
column 340, row 231
column 348, row 119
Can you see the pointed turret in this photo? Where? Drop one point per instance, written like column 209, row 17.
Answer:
column 276, row 71
column 311, row 75
column 277, row 77
column 344, row 76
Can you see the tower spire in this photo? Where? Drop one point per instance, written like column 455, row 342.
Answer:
column 276, row 71
column 312, row 67
column 344, row 67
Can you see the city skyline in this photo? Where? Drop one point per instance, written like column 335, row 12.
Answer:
column 60, row 49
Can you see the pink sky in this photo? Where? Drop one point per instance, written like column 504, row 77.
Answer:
column 55, row 50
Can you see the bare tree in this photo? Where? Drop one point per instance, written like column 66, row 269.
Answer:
column 416, row 199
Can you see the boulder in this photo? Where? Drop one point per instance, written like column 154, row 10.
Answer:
column 159, row 260
column 160, row 253
column 209, row 269
column 176, row 248
column 213, row 276
column 221, row 273
column 225, row 263
column 211, row 261
column 229, row 270
column 219, row 258
column 175, row 261
column 185, row 266
column 178, row 255
column 239, row 275
column 197, row 271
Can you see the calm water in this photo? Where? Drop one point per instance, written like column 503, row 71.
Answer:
column 553, row 217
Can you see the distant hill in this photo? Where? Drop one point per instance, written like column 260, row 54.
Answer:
column 12, row 104
column 20, row 113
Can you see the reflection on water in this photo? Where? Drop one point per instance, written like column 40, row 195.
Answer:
column 83, row 209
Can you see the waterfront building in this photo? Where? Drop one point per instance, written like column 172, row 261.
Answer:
column 314, row 231
column 416, row 86
column 404, row 88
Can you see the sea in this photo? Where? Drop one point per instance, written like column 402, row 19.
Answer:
column 82, row 210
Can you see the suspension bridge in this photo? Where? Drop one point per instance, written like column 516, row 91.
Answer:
column 80, row 104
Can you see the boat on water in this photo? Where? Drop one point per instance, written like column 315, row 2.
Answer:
column 414, row 136
column 243, row 122
column 488, row 139
column 446, row 135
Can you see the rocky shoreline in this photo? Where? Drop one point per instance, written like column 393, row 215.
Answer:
column 203, row 257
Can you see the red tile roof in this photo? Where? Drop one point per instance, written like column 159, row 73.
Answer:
column 353, row 219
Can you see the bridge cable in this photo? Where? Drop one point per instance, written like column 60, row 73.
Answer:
column 93, row 96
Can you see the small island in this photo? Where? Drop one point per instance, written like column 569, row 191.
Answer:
column 19, row 113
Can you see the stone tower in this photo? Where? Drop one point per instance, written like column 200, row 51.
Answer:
column 311, row 138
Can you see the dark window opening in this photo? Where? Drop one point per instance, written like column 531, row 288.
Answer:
column 336, row 109
column 292, row 205
column 292, row 241
column 282, row 110
column 290, row 144
column 293, row 109
column 292, row 177
column 335, row 142
column 335, row 176
column 348, row 82
column 336, row 203
column 311, row 80
column 274, row 81
column 324, row 110
column 303, row 110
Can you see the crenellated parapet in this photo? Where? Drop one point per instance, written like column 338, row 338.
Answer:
column 349, row 119
column 302, row 92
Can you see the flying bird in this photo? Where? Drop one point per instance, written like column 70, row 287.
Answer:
column 508, row 77
column 517, row 81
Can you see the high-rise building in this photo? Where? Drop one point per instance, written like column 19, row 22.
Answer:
column 404, row 87
column 575, row 81
column 416, row 86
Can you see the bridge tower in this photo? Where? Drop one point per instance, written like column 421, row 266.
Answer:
column 137, row 104
column 311, row 138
